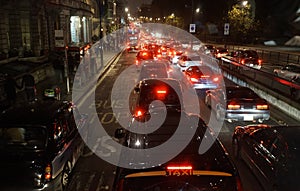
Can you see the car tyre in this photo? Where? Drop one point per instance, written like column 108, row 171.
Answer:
column 66, row 174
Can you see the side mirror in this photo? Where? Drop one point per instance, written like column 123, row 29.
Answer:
column 120, row 133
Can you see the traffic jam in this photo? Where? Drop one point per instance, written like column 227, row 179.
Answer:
column 189, row 127
column 268, row 151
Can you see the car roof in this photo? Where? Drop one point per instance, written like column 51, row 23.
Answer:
column 39, row 113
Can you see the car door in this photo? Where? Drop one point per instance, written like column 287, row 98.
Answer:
column 255, row 151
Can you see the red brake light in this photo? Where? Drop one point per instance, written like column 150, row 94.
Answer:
column 204, row 76
column 259, row 61
column 161, row 91
column 243, row 61
column 179, row 170
column 48, row 172
column 215, row 79
column 262, row 107
column 194, row 80
column 179, row 167
column 138, row 113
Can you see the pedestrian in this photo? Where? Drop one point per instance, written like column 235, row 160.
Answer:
column 28, row 83
column 10, row 89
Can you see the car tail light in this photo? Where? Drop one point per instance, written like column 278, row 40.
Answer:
column 215, row 79
column 48, row 172
column 136, row 62
column 262, row 107
column 184, row 170
column 159, row 56
column 179, row 167
column 139, row 113
column 233, row 106
column 243, row 61
column 145, row 54
column 259, row 61
column 194, row 80
column 161, row 91
column 205, row 76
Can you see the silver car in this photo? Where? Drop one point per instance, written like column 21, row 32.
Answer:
column 288, row 72
column 237, row 104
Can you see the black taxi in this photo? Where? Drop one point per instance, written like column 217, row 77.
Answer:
column 39, row 145
column 163, row 146
column 189, row 170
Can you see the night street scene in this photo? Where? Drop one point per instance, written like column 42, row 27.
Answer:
column 153, row 95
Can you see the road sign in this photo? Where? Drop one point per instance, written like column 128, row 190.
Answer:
column 192, row 28
column 226, row 29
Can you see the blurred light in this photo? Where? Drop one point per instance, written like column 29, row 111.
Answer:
column 197, row 10
column 244, row 3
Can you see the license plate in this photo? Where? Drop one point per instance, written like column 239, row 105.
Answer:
column 248, row 118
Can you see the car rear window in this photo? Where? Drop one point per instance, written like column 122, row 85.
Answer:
column 27, row 137
column 162, row 92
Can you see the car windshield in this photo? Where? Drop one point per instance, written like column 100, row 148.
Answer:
column 25, row 137
column 241, row 93
column 250, row 54
column 162, row 92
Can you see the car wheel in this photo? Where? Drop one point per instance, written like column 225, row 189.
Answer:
column 235, row 148
column 66, row 173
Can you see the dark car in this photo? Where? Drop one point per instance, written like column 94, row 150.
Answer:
column 189, row 170
column 202, row 77
column 272, row 153
column 249, row 58
column 144, row 55
column 132, row 47
column 237, row 104
column 154, row 69
column 39, row 145
column 219, row 52
column 148, row 90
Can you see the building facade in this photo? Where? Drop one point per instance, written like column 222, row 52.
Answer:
column 35, row 27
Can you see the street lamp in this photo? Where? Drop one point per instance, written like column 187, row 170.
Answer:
column 126, row 9
column 244, row 3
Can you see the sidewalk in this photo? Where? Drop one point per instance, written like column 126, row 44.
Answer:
column 51, row 82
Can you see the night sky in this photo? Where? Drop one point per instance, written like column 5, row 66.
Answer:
column 276, row 14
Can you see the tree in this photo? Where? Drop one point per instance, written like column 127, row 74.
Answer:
column 243, row 26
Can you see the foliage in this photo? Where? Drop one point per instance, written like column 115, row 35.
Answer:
column 242, row 24
column 175, row 21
